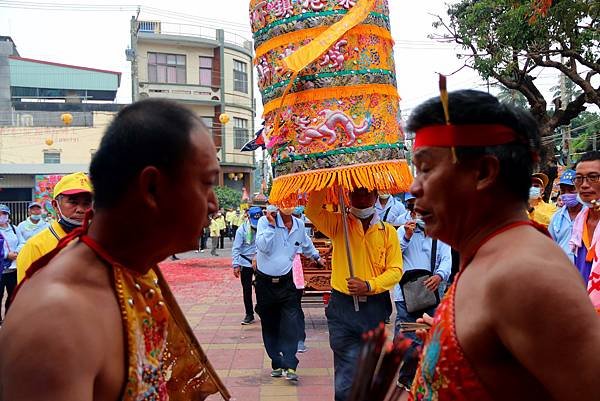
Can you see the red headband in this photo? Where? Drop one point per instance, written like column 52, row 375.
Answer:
column 472, row 135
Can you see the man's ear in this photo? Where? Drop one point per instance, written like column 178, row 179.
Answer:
column 55, row 205
column 488, row 172
column 149, row 183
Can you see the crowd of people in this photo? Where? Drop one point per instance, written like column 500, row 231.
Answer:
column 517, row 321
column 267, row 249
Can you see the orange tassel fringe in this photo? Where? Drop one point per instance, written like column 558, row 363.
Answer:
column 391, row 176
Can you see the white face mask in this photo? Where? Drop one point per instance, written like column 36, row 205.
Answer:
column 66, row 219
column 384, row 196
column 535, row 192
column 3, row 218
column 587, row 204
column 363, row 213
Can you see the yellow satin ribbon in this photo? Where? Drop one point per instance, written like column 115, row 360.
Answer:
column 302, row 57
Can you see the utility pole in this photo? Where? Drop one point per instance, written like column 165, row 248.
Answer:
column 133, row 57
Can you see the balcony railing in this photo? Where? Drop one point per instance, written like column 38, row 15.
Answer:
column 179, row 92
column 31, row 118
column 171, row 28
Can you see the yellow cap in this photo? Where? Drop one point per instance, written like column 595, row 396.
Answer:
column 73, row 184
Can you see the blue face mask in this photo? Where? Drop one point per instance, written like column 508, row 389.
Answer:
column 570, row 200
column 35, row 217
column 535, row 192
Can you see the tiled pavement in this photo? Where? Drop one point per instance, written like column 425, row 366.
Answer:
column 211, row 298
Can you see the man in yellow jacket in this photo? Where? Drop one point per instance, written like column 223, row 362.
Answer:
column 377, row 262
column 540, row 211
column 72, row 199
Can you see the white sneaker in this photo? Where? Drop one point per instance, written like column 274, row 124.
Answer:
column 201, row 250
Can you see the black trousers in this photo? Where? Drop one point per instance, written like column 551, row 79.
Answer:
column 301, row 322
column 222, row 238
column 203, row 239
column 246, row 276
column 232, row 231
column 8, row 281
column 277, row 306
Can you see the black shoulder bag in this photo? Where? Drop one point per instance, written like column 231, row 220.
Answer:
column 416, row 296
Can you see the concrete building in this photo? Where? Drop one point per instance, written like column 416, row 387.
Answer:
column 52, row 117
column 210, row 71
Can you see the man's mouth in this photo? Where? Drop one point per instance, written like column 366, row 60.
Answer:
column 423, row 213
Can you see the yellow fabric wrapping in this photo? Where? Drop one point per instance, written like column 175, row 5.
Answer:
column 298, row 60
column 294, row 36
column 328, row 93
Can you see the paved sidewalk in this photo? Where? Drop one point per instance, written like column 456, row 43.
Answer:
column 211, row 298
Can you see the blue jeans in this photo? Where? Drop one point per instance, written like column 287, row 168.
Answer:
column 346, row 327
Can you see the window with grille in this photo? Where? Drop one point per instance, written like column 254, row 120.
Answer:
column 240, row 76
column 240, row 132
column 206, row 71
column 166, row 68
column 51, row 157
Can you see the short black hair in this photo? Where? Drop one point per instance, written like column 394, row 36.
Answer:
column 588, row 157
column 151, row 132
column 476, row 107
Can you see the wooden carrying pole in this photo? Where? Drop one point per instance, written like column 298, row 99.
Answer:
column 342, row 206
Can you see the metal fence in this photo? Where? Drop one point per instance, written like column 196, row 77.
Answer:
column 18, row 210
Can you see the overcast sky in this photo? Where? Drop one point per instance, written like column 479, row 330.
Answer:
column 96, row 34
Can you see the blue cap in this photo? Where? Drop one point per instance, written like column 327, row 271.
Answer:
column 254, row 213
column 33, row 204
column 567, row 178
column 408, row 196
column 4, row 208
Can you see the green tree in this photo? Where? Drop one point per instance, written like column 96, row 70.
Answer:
column 512, row 42
column 585, row 128
column 511, row 96
column 228, row 197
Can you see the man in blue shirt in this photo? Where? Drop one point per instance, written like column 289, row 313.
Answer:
column 243, row 254
column 12, row 242
column 416, row 255
column 279, row 237
column 390, row 210
column 561, row 224
column 34, row 223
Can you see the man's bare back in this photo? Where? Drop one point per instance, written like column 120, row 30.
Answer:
column 508, row 302
column 84, row 358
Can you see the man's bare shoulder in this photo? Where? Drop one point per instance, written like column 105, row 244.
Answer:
column 528, row 256
column 527, row 274
column 49, row 338
column 63, row 315
column 537, row 304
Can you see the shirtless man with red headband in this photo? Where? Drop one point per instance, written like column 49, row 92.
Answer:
column 517, row 324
